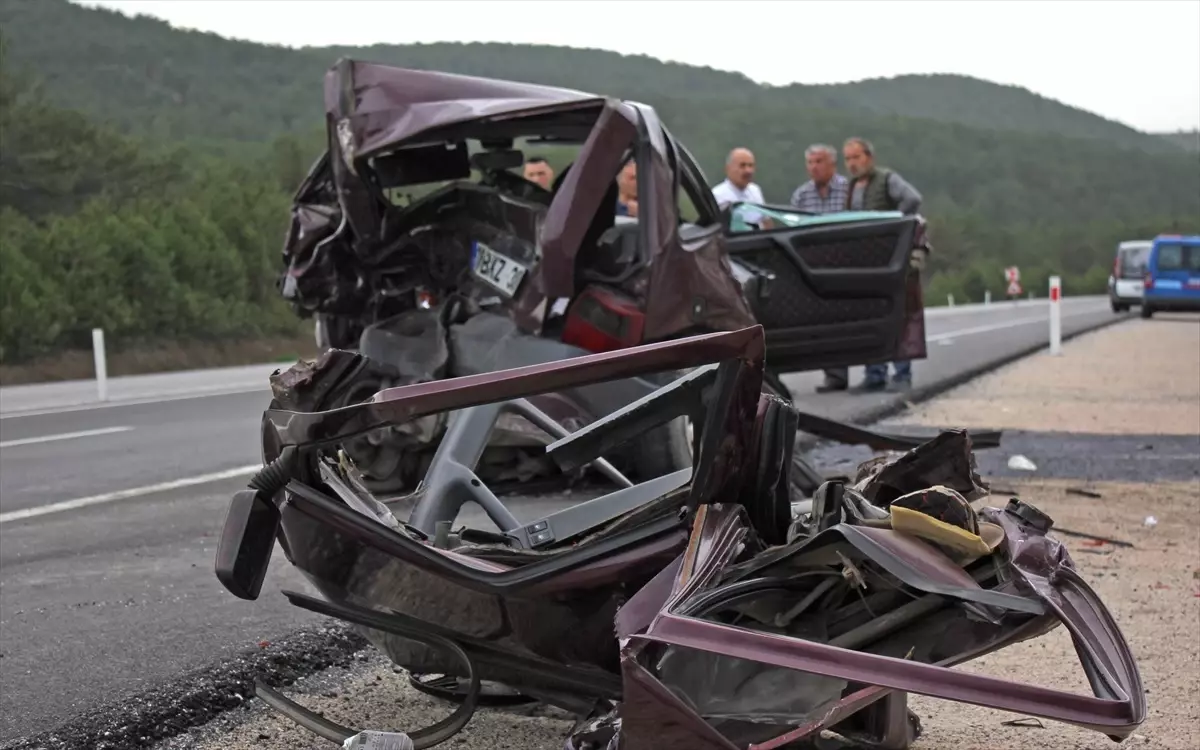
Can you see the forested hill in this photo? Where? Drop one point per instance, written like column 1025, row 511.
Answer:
column 1189, row 140
column 970, row 101
column 148, row 171
column 154, row 79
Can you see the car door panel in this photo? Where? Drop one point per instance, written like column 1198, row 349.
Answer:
column 842, row 294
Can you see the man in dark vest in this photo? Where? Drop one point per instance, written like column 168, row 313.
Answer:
column 874, row 188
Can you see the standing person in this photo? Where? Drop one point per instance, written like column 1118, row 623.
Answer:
column 825, row 192
column 875, row 188
column 739, row 186
column 538, row 171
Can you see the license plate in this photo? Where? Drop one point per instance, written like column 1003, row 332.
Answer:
column 496, row 270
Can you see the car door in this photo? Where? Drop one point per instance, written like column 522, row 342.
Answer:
column 834, row 290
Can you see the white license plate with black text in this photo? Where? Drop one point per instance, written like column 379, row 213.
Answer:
column 496, row 270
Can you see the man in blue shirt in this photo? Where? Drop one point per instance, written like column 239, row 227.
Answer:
column 825, row 192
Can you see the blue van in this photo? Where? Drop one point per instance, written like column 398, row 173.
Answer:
column 1172, row 275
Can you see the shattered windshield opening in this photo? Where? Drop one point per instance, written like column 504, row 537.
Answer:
column 529, row 167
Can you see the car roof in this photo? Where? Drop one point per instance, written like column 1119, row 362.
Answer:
column 1131, row 246
column 1177, row 239
column 381, row 106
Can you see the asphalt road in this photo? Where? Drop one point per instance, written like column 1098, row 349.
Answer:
column 109, row 515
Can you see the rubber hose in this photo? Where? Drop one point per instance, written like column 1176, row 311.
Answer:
column 273, row 477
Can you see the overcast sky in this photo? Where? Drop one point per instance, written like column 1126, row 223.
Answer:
column 1135, row 62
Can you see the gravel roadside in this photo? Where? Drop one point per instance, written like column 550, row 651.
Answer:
column 1153, row 591
column 374, row 695
column 1141, row 377
column 1138, row 377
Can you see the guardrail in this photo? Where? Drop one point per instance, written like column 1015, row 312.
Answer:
column 975, row 307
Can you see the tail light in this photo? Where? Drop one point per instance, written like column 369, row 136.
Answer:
column 601, row 320
column 1148, row 282
column 1116, row 268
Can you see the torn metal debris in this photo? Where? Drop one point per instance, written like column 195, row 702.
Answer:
column 706, row 608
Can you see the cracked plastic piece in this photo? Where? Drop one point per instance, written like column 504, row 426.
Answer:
column 379, row 741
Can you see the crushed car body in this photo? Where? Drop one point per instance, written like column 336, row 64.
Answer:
column 704, row 608
column 719, row 592
column 414, row 243
column 352, row 239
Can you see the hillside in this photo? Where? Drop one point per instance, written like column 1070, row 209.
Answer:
column 149, row 79
column 983, row 104
column 1185, row 139
column 149, row 170
column 154, row 79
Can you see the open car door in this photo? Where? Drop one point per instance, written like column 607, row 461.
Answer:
column 833, row 290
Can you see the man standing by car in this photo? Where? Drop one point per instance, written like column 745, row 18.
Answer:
column 538, row 171
column 875, row 188
column 739, row 186
column 825, row 192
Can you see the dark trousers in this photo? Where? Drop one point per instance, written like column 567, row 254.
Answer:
column 878, row 373
column 874, row 373
column 838, row 375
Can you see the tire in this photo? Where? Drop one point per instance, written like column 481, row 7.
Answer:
column 668, row 449
column 663, row 450
column 1117, row 307
column 1147, row 311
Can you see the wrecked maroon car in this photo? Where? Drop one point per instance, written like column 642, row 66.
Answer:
column 415, row 244
column 705, row 608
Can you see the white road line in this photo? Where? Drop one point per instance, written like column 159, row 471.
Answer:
column 63, row 436
column 999, row 307
column 109, row 497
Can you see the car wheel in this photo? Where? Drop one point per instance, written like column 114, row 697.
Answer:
column 1118, row 307
column 1147, row 311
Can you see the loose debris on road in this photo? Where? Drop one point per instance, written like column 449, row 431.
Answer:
column 749, row 614
column 1091, row 537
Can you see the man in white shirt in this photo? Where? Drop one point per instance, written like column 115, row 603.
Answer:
column 739, row 186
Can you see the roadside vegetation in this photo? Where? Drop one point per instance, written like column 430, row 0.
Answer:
column 147, row 171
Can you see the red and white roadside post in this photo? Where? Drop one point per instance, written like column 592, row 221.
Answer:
column 1055, row 316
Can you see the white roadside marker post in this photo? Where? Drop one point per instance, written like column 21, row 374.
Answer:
column 950, row 300
column 101, row 363
column 1055, row 316
column 987, row 296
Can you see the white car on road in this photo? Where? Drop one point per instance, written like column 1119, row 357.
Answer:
column 1129, row 268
